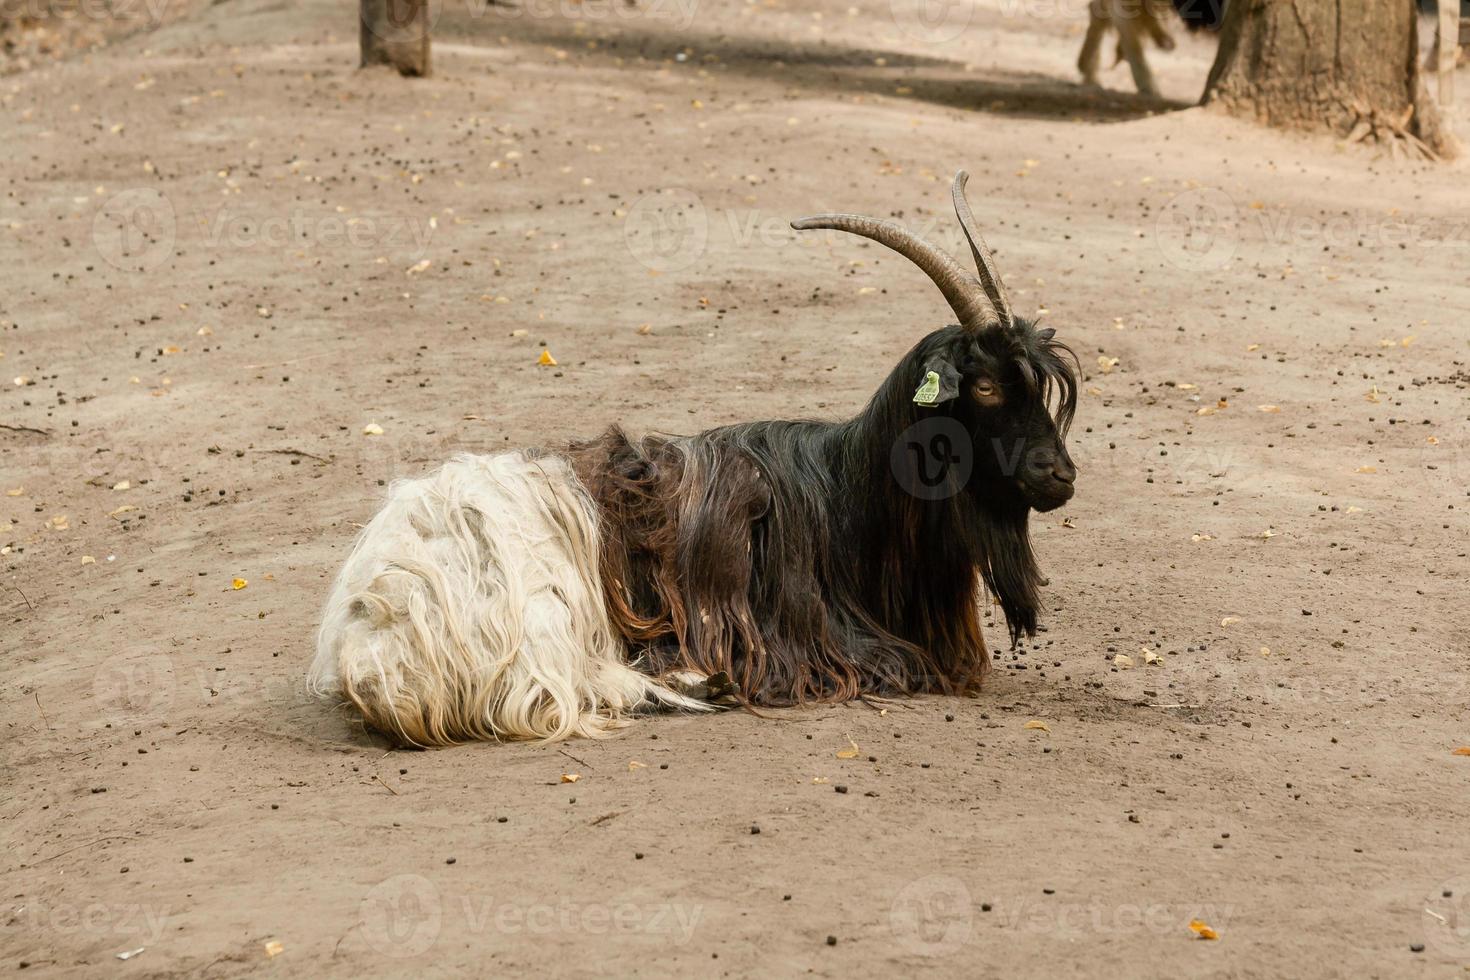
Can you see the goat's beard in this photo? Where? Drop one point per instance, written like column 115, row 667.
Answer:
column 1002, row 551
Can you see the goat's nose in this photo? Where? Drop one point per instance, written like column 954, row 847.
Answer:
column 1064, row 472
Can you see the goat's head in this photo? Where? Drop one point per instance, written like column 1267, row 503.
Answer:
column 1012, row 385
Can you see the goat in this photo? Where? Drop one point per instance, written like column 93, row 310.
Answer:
column 1135, row 21
column 542, row 594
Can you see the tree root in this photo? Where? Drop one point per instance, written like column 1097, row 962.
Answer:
column 1393, row 130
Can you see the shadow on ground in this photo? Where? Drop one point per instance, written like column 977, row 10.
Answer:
column 818, row 67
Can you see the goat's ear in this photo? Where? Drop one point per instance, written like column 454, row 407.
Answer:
column 940, row 384
column 1047, row 333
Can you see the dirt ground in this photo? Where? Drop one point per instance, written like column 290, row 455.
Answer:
column 227, row 253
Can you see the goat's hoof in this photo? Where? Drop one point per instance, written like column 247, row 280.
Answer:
column 690, row 683
column 717, row 688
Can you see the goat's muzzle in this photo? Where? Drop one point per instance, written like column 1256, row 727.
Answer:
column 1049, row 483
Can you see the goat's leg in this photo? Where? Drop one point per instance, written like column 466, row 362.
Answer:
column 1097, row 26
column 1130, row 42
column 1151, row 13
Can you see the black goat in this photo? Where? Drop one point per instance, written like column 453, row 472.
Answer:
column 546, row 594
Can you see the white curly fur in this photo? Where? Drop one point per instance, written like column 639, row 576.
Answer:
column 471, row 607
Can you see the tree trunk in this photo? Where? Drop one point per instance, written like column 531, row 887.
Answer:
column 1347, row 66
column 395, row 32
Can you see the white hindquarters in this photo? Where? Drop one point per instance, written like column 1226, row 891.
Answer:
column 471, row 607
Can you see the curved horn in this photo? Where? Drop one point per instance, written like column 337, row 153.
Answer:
column 984, row 261
column 962, row 290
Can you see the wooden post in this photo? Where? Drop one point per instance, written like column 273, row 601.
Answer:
column 396, row 32
column 1449, row 49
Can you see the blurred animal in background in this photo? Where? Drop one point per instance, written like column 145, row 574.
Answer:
column 1137, row 21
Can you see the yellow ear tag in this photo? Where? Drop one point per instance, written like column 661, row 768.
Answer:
column 929, row 390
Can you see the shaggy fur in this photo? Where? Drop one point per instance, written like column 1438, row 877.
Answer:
column 471, row 608
column 787, row 554
column 547, row 595
column 542, row 595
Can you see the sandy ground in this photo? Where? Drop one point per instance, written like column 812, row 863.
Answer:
column 227, row 252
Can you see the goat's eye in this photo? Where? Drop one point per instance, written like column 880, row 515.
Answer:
column 984, row 388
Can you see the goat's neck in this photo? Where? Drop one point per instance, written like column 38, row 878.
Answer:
column 955, row 538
